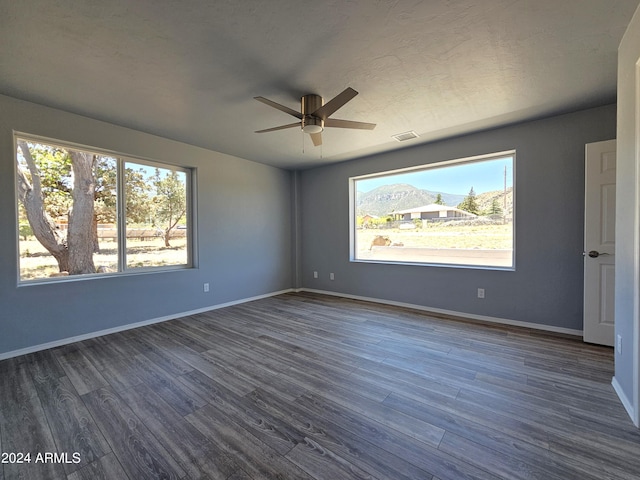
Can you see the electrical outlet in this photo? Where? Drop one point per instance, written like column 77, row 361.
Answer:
column 481, row 293
column 332, row 276
column 315, row 274
column 206, row 287
column 619, row 344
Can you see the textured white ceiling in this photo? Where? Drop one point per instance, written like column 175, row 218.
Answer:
column 188, row 70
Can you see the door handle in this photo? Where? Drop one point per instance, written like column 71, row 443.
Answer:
column 594, row 254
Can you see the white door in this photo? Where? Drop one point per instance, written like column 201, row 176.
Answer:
column 599, row 242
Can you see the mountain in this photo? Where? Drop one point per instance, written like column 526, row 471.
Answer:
column 484, row 200
column 387, row 198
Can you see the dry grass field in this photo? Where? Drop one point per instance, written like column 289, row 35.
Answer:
column 486, row 237
column 37, row 263
column 430, row 243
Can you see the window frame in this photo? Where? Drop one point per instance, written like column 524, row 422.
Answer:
column 424, row 167
column 121, row 159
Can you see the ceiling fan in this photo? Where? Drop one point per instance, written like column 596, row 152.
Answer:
column 314, row 115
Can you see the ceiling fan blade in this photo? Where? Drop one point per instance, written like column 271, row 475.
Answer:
column 282, row 108
column 316, row 138
column 334, row 122
column 281, row 127
column 335, row 103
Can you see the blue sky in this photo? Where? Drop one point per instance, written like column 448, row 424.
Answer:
column 483, row 176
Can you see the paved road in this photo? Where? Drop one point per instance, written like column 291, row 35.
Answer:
column 458, row 256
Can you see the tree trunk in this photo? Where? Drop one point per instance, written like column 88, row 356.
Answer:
column 94, row 235
column 80, row 235
column 172, row 225
column 44, row 229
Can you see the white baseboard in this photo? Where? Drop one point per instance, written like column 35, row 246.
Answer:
column 122, row 328
column 470, row 316
column 626, row 403
column 482, row 318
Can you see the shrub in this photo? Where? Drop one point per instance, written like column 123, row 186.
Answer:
column 25, row 231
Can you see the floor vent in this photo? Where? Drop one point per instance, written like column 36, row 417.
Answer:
column 403, row 137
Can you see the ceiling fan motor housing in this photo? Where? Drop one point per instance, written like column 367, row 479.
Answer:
column 310, row 123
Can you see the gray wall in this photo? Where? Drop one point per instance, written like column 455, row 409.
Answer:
column 627, row 214
column 244, row 237
column 261, row 232
column 546, row 287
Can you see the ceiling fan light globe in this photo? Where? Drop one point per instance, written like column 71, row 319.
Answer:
column 311, row 129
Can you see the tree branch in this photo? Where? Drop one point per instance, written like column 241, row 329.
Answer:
column 30, row 194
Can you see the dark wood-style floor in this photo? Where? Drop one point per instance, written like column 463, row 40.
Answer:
column 303, row 386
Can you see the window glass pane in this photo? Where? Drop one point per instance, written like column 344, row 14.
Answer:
column 65, row 196
column 156, row 216
column 460, row 213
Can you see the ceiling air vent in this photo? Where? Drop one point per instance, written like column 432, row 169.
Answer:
column 403, row 137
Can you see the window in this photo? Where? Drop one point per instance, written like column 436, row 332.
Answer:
column 82, row 212
column 458, row 212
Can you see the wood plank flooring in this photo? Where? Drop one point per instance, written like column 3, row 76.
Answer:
column 304, row 386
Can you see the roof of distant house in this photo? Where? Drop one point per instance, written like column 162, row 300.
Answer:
column 433, row 207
